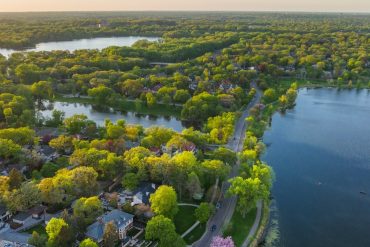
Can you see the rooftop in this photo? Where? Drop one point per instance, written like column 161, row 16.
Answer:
column 120, row 218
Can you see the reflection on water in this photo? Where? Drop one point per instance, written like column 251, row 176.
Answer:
column 99, row 113
column 320, row 153
column 78, row 44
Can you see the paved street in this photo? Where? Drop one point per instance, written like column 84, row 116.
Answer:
column 224, row 214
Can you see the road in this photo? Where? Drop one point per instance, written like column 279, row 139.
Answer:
column 228, row 204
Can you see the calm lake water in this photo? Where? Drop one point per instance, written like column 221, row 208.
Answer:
column 93, row 43
column 99, row 115
column 320, row 152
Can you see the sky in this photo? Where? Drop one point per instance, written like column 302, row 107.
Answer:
column 186, row 5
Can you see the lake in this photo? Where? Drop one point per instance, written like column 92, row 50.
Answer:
column 78, row 44
column 98, row 115
column 320, row 152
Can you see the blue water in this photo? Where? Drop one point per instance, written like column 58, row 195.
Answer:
column 320, row 152
column 73, row 45
column 99, row 115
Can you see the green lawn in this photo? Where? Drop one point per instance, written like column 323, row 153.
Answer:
column 184, row 219
column 195, row 234
column 240, row 226
column 40, row 229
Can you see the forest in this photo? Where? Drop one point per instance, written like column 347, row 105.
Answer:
column 209, row 65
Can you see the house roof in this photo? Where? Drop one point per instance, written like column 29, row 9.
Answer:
column 20, row 238
column 37, row 209
column 120, row 218
column 21, row 216
column 144, row 191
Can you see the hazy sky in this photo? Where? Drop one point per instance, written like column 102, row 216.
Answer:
column 219, row 5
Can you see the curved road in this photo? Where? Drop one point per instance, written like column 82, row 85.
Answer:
column 224, row 214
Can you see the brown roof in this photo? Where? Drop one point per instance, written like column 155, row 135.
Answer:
column 37, row 209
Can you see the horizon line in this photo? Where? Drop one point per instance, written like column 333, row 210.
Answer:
column 196, row 11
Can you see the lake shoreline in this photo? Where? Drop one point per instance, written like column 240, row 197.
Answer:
column 91, row 43
column 325, row 102
column 127, row 105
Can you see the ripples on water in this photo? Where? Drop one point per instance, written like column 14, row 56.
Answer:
column 320, row 152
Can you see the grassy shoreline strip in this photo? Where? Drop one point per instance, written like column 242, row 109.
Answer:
column 239, row 226
column 263, row 225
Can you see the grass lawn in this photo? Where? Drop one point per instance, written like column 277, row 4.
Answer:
column 195, row 234
column 184, row 219
column 241, row 226
column 40, row 229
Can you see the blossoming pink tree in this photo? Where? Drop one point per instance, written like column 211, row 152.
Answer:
column 222, row 242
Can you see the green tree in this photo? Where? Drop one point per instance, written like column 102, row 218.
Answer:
column 224, row 154
column 63, row 144
column 49, row 169
column 164, row 201
column 9, row 150
column 37, row 240
column 26, row 197
column 100, row 94
column 42, row 90
column 87, row 209
column 60, row 233
column 162, row 229
column 150, row 99
column 204, row 212
column 27, row 73
column 193, row 186
column 200, row 107
column 15, row 179
column 215, row 169
column 79, row 124
column 88, row 243
column 53, row 229
column 130, row 181
column 135, row 160
column 156, row 136
column 269, row 95
column 132, row 88
column 110, row 236
column 115, row 131
column 21, row 136
column 181, row 96
column 57, row 118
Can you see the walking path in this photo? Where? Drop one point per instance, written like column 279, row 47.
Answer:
column 190, row 229
column 255, row 226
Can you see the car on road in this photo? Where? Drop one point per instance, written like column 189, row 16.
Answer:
column 213, row 228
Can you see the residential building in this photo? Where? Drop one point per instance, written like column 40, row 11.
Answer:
column 122, row 220
column 142, row 194
column 4, row 214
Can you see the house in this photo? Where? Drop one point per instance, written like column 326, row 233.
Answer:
column 4, row 214
column 193, row 85
column 37, row 211
column 142, row 194
column 157, row 151
column 226, row 86
column 122, row 220
column 21, row 218
column 179, row 148
column 14, row 239
column 130, row 144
